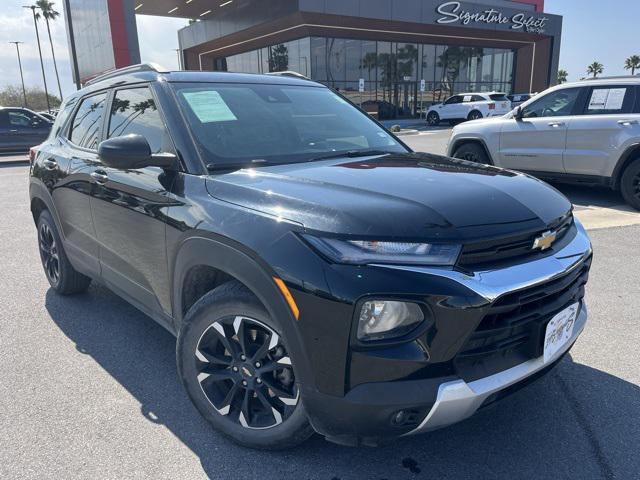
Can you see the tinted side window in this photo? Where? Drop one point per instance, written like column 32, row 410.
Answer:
column 478, row 98
column 4, row 119
column 554, row 104
column 22, row 119
column 135, row 111
column 452, row 100
column 85, row 129
column 498, row 97
column 61, row 118
column 610, row 100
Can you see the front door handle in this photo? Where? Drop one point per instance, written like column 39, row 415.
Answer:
column 100, row 177
column 50, row 164
column 556, row 124
column 626, row 123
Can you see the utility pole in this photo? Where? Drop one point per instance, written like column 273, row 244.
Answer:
column 44, row 78
column 177, row 50
column 24, row 92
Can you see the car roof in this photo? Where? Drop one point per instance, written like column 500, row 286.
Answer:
column 630, row 79
column 145, row 73
column 481, row 93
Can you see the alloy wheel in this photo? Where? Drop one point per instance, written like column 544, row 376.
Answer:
column 245, row 372
column 635, row 186
column 49, row 253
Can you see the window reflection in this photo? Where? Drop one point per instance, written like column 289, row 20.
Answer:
column 392, row 71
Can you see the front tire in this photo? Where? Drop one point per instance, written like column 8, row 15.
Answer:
column 234, row 363
column 62, row 277
column 472, row 152
column 630, row 184
column 433, row 119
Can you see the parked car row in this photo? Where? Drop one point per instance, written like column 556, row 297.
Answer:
column 21, row 129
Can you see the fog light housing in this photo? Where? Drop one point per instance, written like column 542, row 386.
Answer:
column 384, row 319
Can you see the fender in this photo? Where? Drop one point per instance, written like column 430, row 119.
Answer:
column 203, row 249
column 37, row 189
column 623, row 161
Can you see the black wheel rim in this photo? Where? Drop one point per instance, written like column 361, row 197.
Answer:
column 431, row 119
column 471, row 157
column 49, row 253
column 245, row 372
column 475, row 116
column 635, row 186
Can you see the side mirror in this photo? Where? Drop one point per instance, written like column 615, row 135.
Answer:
column 131, row 152
column 518, row 115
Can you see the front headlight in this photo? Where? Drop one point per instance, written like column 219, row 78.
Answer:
column 362, row 252
column 384, row 319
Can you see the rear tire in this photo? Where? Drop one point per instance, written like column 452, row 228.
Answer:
column 630, row 184
column 233, row 361
column 62, row 277
column 474, row 115
column 473, row 152
column 433, row 119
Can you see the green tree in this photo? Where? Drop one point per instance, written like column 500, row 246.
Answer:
column 451, row 62
column 279, row 58
column 49, row 14
column 595, row 69
column 11, row 96
column 562, row 76
column 632, row 63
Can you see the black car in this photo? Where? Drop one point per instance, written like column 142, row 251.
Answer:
column 318, row 274
column 21, row 129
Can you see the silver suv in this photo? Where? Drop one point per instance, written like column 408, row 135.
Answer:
column 584, row 132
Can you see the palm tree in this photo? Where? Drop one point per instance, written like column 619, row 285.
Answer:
column 595, row 69
column 48, row 13
column 44, row 77
column 632, row 63
column 562, row 76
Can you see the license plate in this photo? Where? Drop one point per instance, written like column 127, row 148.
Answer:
column 559, row 331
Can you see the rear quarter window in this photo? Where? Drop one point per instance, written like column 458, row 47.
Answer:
column 86, row 127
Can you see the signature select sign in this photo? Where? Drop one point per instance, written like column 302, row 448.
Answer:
column 452, row 12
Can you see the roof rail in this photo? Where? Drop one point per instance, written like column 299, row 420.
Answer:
column 289, row 73
column 618, row 77
column 142, row 67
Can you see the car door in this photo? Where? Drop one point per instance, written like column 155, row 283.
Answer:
column 450, row 108
column 129, row 206
column 77, row 156
column 607, row 125
column 536, row 142
column 28, row 128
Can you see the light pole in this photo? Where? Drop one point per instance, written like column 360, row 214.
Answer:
column 44, row 78
column 24, row 92
column 177, row 50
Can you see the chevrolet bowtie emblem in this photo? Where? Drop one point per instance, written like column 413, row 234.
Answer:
column 545, row 240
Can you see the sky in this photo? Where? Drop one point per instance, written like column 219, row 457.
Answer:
column 602, row 30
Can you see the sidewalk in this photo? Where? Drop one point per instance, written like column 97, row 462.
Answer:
column 14, row 159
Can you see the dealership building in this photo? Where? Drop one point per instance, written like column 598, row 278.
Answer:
column 398, row 54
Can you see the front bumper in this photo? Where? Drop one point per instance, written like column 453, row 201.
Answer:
column 427, row 385
column 458, row 399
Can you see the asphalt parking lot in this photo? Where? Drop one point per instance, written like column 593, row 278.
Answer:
column 88, row 385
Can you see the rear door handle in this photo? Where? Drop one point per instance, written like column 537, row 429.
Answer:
column 50, row 164
column 100, row 177
column 627, row 122
column 555, row 124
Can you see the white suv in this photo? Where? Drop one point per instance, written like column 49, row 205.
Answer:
column 586, row 132
column 469, row 106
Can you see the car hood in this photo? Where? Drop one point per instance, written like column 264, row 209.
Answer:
column 410, row 196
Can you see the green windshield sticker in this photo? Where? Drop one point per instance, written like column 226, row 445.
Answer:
column 209, row 106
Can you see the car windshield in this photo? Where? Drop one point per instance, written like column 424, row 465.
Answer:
column 270, row 123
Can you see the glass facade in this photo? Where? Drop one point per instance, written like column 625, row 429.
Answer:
column 392, row 71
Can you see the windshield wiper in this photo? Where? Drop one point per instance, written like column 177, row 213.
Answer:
column 352, row 154
column 215, row 167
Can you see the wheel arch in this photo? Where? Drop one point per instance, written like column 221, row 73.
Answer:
column 629, row 155
column 211, row 261
column 458, row 142
column 40, row 199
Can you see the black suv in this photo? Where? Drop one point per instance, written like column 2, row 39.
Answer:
column 318, row 274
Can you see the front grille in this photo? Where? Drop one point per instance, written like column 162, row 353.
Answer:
column 512, row 331
column 490, row 253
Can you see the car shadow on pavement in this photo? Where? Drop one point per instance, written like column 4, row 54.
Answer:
column 577, row 422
